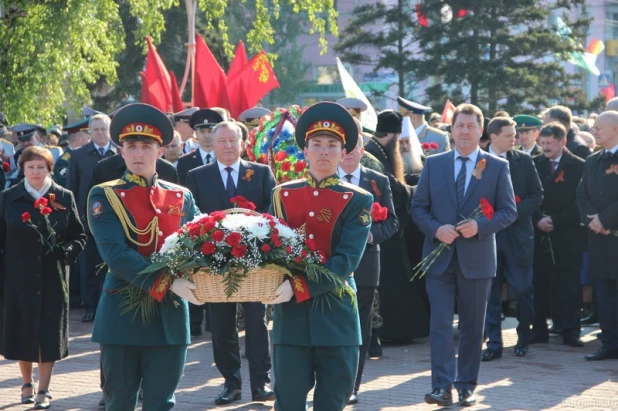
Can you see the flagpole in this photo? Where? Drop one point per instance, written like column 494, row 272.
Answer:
column 190, row 65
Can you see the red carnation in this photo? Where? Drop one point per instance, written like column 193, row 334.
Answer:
column 25, row 217
column 303, row 254
column 298, row 259
column 239, row 251
column 194, row 230
column 300, row 166
column 233, row 239
column 433, row 145
column 487, row 209
column 426, row 146
column 281, row 155
column 286, row 166
column 46, row 211
column 288, row 249
column 276, row 241
column 218, row 235
column 6, row 167
column 208, row 248
column 311, row 245
column 266, row 248
column 40, row 203
column 217, row 215
column 378, row 213
column 248, row 205
column 209, row 225
column 517, row 199
column 272, row 224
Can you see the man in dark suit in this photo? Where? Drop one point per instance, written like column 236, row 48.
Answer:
column 528, row 133
column 452, row 185
column 79, row 175
column 367, row 275
column 202, row 121
column 187, row 133
column 561, row 235
column 112, row 168
column 563, row 115
column 212, row 186
column 597, row 196
column 515, row 244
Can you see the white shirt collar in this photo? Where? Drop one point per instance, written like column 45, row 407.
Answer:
column 491, row 150
column 557, row 160
column 614, row 149
column 204, row 153
column 527, row 151
column 472, row 156
column 105, row 147
column 420, row 128
column 235, row 166
column 355, row 175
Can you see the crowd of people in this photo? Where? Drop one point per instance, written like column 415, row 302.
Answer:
column 87, row 198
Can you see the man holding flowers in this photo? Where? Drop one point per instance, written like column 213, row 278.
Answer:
column 316, row 331
column 452, row 185
column 143, row 329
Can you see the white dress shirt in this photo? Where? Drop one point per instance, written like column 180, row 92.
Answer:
column 420, row 129
column 470, row 164
column 204, row 153
column 503, row 155
column 613, row 150
column 105, row 147
column 355, row 175
column 223, row 171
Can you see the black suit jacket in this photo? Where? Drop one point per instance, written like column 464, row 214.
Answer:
column 187, row 163
column 528, row 189
column 560, row 204
column 368, row 271
column 576, row 146
column 597, row 193
column 113, row 168
column 79, row 174
column 206, row 184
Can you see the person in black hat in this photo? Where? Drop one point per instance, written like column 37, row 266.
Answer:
column 77, row 134
column 202, row 121
column 425, row 132
column 134, row 352
column 312, row 346
column 187, row 134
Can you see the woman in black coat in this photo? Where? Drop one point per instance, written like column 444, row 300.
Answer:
column 34, row 312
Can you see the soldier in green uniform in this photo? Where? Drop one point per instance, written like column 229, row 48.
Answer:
column 316, row 333
column 528, row 128
column 77, row 136
column 129, row 219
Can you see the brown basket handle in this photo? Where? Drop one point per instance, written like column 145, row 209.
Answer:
column 241, row 211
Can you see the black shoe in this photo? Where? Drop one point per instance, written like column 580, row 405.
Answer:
column 439, row 396
column 353, row 398
column 521, row 349
column 375, row 347
column 540, row 338
column 102, row 403
column 466, row 397
column 263, row 394
column 196, row 330
column 89, row 316
column 590, row 319
column 555, row 330
column 27, row 399
column 43, row 400
column 228, row 396
column 490, row 355
column 574, row 342
column 602, row 354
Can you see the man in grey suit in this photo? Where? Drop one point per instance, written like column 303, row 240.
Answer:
column 451, row 188
column 367, row 275
column 425, row 133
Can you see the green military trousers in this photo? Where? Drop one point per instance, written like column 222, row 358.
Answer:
column 297, row 369
column 157, row 368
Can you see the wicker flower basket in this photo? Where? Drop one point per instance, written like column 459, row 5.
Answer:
column 259, row 285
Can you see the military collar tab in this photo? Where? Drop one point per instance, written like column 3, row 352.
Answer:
column 330, row 181
column 130, row 177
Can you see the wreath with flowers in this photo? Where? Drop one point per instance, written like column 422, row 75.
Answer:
column 273, row 143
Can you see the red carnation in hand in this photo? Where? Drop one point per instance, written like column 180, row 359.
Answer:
column 40, row 203
column 286, row 166
column 46, row 211
column 266, row 248
column 300, row 166
column 233, row 239
column 378, row 213
column 6, row 167
column 517, row 199
column 208, row 248
column 218, row 235
column 239, row 251
column 281, row 155
column 25, row 217
column 433, row 145
column 487, row 209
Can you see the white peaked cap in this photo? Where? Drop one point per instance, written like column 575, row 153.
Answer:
column 407, row 130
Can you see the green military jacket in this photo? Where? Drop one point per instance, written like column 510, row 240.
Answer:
column 61, row 166
column 121, row 208
column 337, row 217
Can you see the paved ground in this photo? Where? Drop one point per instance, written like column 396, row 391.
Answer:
column 551, row 377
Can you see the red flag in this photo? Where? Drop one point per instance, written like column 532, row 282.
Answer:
column 252, row 83
column 210, row 82
column 608, row 92
column 145, row 94
column 422, row 18
column 157, row 80
column 239, row 61
column 447, row 112
column 176, row 100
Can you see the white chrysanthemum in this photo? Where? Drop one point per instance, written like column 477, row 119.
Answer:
column 259, row 230
column 238, row 222
column 169, row 243
column 286, row 232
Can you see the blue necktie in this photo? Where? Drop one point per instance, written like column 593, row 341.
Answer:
column 460, row 182
column 229, row 185
column 101, row 152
